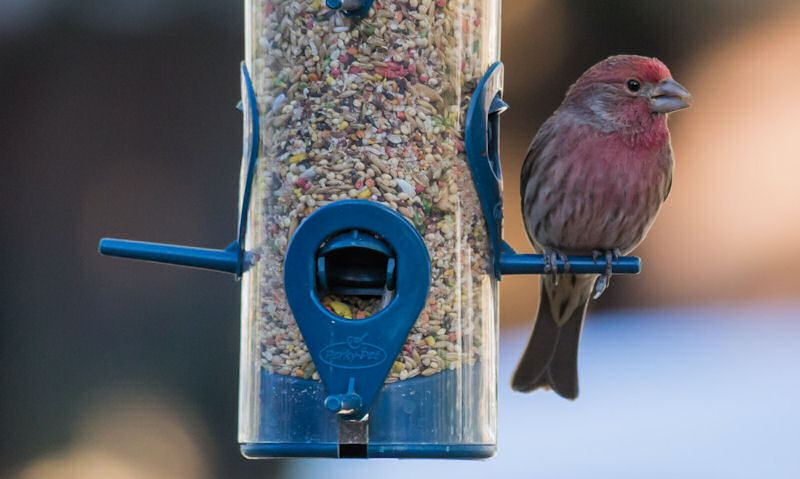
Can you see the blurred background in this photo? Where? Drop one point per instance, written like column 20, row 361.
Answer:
column 117, row 119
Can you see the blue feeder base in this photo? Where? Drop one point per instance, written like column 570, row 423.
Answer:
column 415, row 418
column 396, row 451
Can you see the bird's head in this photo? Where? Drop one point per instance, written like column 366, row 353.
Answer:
column 627, row 92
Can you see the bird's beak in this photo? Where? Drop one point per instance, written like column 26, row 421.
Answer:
column 669, row 96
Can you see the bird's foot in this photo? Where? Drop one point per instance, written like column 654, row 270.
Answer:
column 551, row 257
column 611, row 256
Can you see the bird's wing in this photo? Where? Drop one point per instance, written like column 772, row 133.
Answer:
column 540, row 141
column 538, row 157
column 666, row 154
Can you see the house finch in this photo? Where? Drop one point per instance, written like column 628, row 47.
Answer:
column 592, row 183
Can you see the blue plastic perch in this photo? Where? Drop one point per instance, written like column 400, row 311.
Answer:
column 226, row 260
column 513, row 263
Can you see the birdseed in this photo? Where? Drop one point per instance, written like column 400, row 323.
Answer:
column 372, row 109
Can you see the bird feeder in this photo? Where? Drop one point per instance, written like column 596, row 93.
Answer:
column 369, row 243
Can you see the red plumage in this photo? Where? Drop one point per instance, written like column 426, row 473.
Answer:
column 593, row 181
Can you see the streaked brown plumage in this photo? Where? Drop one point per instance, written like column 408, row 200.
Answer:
column 593, row 181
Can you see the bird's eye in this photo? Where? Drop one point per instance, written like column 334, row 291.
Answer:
column 633, row 85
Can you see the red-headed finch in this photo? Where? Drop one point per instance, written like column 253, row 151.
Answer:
column 593, row 181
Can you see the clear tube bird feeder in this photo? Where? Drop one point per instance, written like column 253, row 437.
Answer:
column 370, row 234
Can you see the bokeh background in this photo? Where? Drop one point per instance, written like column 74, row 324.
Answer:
column 117, row 119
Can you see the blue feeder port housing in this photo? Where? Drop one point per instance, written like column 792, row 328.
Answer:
column 359, row 247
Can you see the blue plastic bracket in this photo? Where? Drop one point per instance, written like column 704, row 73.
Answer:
column 353, row 357
column 351, row 8
column 347, row 403
column 355, row 263
column 482, row 139
column 231, row 259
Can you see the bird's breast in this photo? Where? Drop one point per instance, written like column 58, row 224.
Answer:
column 601, row 194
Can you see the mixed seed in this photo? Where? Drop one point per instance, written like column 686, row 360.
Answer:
column 372, row 109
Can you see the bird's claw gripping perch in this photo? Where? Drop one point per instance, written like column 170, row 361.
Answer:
column 551, row 257
column 604, row 280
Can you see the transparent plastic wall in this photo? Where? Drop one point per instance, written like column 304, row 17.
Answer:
column 371, row 109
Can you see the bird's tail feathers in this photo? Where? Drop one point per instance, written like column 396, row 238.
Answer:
column 551, row 356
